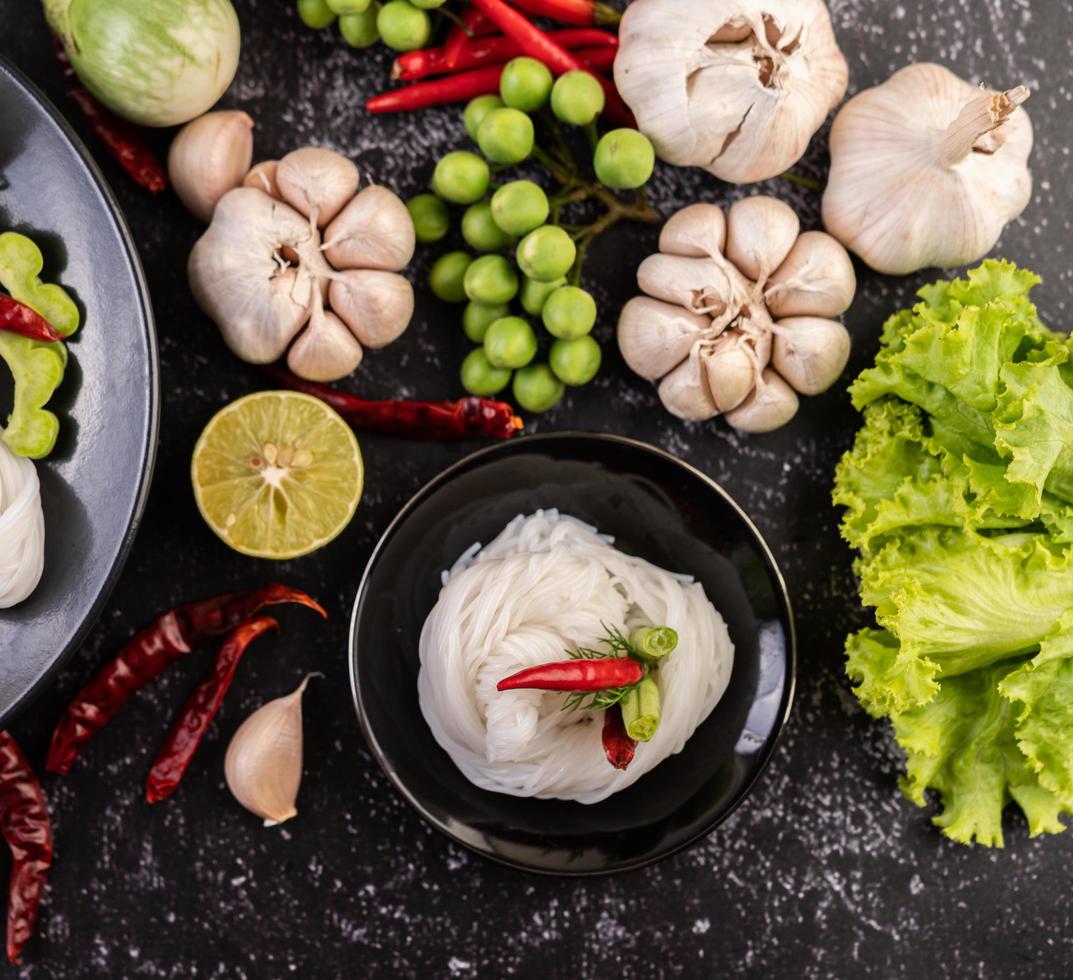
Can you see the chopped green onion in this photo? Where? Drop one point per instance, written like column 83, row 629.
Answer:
column 653, row 642
column 640, row 710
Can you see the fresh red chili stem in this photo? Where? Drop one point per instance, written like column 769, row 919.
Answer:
column 178, row 750
column 473, row 24
column 16, row 317
column 122, row 140
column 146, row 655
column 576, row 675
column 584, row 13
column 467, row 418
column 618, row 746
column 535, row 43
column 415, row 65
column 26, row 827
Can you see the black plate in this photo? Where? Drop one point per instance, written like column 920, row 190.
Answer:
column 656, row 507
column 95, row 483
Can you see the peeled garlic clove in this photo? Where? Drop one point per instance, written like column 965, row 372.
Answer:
column 376, row 306
column 325, row 351
column 684, row 392
column 760, row 233
column 810, row 352
column 238, row 277
column 263, row 765
column 209, row 157
column 926, row 170
column 771, row 405
column 374, row 231
column 735, row 86
column 654, row 336
column 263, row 177
column 817, row 279
column 698, row 285
column 696, row 231
column 317, row 182
column 733, row 367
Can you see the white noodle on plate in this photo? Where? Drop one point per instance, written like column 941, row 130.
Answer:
column 546, row 585
column 22, row 528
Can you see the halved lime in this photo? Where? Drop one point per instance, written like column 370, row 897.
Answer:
column 277, row 474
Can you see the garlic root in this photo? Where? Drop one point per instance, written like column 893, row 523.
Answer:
column 208, row 157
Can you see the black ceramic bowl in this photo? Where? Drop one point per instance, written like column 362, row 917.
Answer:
column 658, row 508
column 95, row 483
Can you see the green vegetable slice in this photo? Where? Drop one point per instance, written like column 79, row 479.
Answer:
column 36, row 367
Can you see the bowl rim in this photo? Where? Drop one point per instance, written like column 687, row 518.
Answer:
column 443, row 477
column 151, row 433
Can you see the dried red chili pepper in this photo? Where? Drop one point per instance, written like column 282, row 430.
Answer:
column 173, row 635
column 576, row 675
column 178, row 750
column 472, row 23
column 26, row 827
column 16, row 317
column 415, row 65
column 583, row 13
column 535, row 43
column 467, row 418
column 121, row 139
column 618, row 746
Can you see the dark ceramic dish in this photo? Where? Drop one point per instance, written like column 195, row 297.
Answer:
column 656, row 507
column 95, row 483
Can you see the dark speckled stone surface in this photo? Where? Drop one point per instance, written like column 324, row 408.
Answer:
column 825, row 871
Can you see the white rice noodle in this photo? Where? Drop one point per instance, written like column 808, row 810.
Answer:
column 22, row 528
column 544, row 586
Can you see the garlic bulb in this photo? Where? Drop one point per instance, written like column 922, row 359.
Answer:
column 209, row 157
column 263, row 765
column 22, row 527
column 926, row 170
column 735, row 86
column 316, row 182
column 263, row 274
column 734, row 309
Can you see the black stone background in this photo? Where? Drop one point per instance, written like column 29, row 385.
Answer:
column 825, row 871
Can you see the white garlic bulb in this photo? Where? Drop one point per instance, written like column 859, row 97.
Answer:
column 926, row 170
column 736, row 315
column 262, row 273
column 263, row 765
column 209, row 157
column 735, row 86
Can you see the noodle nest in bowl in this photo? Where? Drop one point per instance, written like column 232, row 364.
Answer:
column 547, row 585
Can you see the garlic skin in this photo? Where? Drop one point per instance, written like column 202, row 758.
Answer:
column 810, row 353
column 926, row 170
column 377, row 306
column 770, row 406
column 817, row 279
column 737, row 87
column 324, row 348
column 263, row 765
column 263, row 177
column 209, row 157
column 316, row 182
column 726, row 330
column 374, row 231
column 654, row 336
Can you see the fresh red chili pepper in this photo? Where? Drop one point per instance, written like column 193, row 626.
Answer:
column 26, row 827
column 576, row 675
column 618, row 746
column 583, row 13
column 473, row 23
column 469, row 84
column 122, row 139
column 467, row 418
column 16, row 317
column 415, row 65
column 178, row 750
column 535, row 43
column 173, row 635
